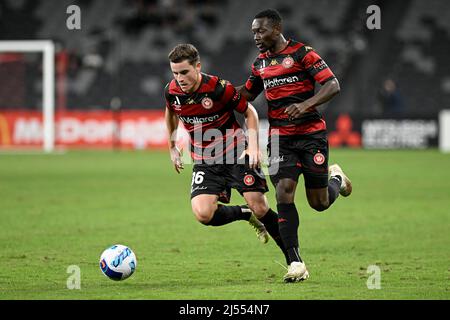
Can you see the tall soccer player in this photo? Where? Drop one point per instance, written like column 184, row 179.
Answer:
column 287, row 70
column 205, row 104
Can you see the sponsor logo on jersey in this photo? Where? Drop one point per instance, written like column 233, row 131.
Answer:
column 198, row 120
column 207, row 103
column 320, row 65
column 288, row 62
column 275, row 82
column 274, row 62
column 249, row 180
column 177, row 104
column 190, row 101
column 236, row 97
column 319, row 158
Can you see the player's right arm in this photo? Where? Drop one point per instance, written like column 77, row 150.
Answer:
column 246, row 93
column 172, row 125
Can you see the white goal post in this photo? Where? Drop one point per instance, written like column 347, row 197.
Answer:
column 47, row 48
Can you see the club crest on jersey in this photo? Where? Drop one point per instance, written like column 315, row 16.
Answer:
column 249, row 180
column 207, row 103
column 288, row 62
column 319, row 158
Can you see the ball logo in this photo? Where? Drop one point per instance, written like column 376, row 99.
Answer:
column 207, row 103
column 288, row 62
column 249, row 180
column 118, row 260
column 319, row 158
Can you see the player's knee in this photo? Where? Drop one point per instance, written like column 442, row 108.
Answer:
column 319, row 204
column 259, row 208
column 203, row 214
column 285, row 195
column 285, row 192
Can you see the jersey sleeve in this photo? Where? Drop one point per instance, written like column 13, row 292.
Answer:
column 254, row 83
column 317, row 67
column 233, row 99
column 167, row 96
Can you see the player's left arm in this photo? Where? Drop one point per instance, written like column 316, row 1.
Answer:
column 321, row 73
column 325, row 94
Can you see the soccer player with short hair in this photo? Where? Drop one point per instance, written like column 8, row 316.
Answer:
column 287, row 70
column 205, row 104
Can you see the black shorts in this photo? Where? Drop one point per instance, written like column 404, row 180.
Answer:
column 219, row 179
column 307, row 154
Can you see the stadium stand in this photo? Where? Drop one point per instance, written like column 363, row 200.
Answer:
column 123, row 53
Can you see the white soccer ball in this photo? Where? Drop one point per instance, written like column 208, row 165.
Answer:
column 118, row 262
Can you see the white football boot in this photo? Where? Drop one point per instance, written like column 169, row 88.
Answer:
column 296, row 272
column 346, row 185
column 259, row 227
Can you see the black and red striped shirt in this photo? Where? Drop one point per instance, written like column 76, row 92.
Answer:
column 288, row 77
column 208, row 116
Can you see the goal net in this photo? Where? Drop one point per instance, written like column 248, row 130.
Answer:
column 27, row 87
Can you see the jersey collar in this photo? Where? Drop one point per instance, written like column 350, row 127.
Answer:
column 269, row 55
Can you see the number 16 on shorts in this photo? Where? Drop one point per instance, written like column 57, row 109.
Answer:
column 197, row 177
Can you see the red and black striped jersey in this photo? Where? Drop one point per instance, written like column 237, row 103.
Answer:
column 208, row 116
column 288, row 77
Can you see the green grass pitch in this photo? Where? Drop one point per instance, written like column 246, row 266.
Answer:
column 63, row 210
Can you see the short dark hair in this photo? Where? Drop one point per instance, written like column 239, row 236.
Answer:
column 273, row 15
column 183, row 52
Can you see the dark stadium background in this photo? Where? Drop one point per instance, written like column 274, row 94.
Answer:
column 399, row 71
